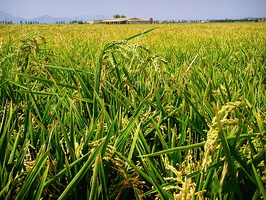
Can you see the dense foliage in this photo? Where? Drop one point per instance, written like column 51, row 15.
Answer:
column 176, row 112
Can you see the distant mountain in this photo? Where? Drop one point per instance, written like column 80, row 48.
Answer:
column 46, row 19
column 7, row 17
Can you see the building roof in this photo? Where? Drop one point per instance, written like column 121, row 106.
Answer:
column 96, row 21
column 123, row 19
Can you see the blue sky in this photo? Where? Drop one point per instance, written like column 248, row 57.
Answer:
column 158, row 9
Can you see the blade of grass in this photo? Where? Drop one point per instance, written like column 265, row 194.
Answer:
column 175, row 149
column 64, row 170
column 259, row 182
column 94, row 185
column 49, row 82
column 225, row 145
column 103, row 181
column 140, row 34
column 135, row 137
column 130, row 125
column 32, row 176
column 67, row 69
column 41, row 185
column 81, row 173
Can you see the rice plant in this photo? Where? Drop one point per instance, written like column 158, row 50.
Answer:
column 167, row 112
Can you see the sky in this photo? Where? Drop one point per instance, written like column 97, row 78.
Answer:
column 145, row 9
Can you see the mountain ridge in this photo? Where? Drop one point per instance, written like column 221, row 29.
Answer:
column 47, row 19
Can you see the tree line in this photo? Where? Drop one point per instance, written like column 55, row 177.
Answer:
column 209, row 20
column 151, row 21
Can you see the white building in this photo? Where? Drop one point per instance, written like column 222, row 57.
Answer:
column 131, row 20
column 97, row 21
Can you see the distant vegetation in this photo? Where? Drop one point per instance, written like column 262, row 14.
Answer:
column 213, row 20
column 151, row 19
column 119, row 16
column 150, row 111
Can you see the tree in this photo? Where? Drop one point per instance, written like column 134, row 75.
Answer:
column 151, row 20
column 117, row 16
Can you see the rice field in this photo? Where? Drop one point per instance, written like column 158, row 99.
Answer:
column 168, row 111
